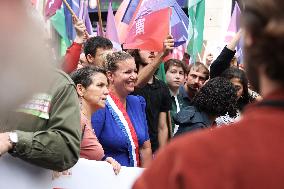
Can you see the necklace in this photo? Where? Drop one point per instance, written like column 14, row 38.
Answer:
column 85, row 116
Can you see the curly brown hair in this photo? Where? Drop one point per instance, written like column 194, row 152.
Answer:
column 113, row 58
column 217, row 97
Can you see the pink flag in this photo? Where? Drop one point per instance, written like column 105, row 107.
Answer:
column 149, row 32
column 111, row 31
column 122, row 27
column 51, row 7
column 177, row 53
column 234, row 23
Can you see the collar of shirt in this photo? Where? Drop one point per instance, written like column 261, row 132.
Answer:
column 183, row 93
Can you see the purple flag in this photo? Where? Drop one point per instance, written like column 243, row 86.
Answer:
column 51, row 7
column 111, row 30
column 84, row 15
column 98, row 30
column 130, row 10
column 234, row 25
column 233, row 28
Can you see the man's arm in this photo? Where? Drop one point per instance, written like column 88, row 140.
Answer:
column 56, row 145
column 223, row 61
column 163, row 129
column 148, row 71
column 72, row 55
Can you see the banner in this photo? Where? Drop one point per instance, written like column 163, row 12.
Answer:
column 86, row 174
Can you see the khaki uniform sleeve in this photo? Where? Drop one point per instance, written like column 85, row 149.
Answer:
column 57, row 145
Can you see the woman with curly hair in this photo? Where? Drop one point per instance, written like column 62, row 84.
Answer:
column 121, row 126
column 217, row 97
column 244, row 96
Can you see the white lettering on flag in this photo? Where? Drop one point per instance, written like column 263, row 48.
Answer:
column 51, row 3
column 140, row 26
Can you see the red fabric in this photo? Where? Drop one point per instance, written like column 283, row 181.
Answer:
column 156, row 29
column 248, row 154
column 72, row 57
column 131, row 128
column 90, row 146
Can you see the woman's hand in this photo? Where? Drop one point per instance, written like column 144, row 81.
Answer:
column 116, row 166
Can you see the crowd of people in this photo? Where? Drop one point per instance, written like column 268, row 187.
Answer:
column 111, row 106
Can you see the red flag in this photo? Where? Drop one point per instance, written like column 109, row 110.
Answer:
column 51, row 7
column 149, row 32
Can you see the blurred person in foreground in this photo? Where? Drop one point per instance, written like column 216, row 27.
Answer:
column 249, row 155
column 45, row 129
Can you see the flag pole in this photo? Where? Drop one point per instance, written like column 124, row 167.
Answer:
column 170, row 28
column 70, row 9
column 100, row 17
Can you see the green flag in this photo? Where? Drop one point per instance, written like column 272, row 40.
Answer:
column 161, row 74
column 58, row 22
column 63, row 47
column 196, row 12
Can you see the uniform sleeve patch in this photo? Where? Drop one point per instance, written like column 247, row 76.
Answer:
column 38, row 106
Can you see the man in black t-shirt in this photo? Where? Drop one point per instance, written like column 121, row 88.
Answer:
column 155, row 92
column 158, row 100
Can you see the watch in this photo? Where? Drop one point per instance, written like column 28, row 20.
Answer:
column 13, row 138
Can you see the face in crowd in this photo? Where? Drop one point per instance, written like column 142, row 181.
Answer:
column 98, row 59
column 94, row 49
column 82, row 61
column 96, row 93
column 92, row 86
column 147, row 57
column 197, row 77
column 175, row 76
column 122, row 72
column 239, row 86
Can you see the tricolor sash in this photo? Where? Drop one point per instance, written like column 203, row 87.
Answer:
column 123, row 121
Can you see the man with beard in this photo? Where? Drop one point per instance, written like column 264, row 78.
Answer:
column 198, row 74
column 249, row 154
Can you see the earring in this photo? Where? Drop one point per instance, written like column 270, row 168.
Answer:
column 81, row 102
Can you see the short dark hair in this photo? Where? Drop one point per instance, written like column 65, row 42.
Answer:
column 93, row 43
column 83, row 76
column 113, row 58
column 135, row 54
column 216, row 98
column 199, row 66
column 175, row 62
